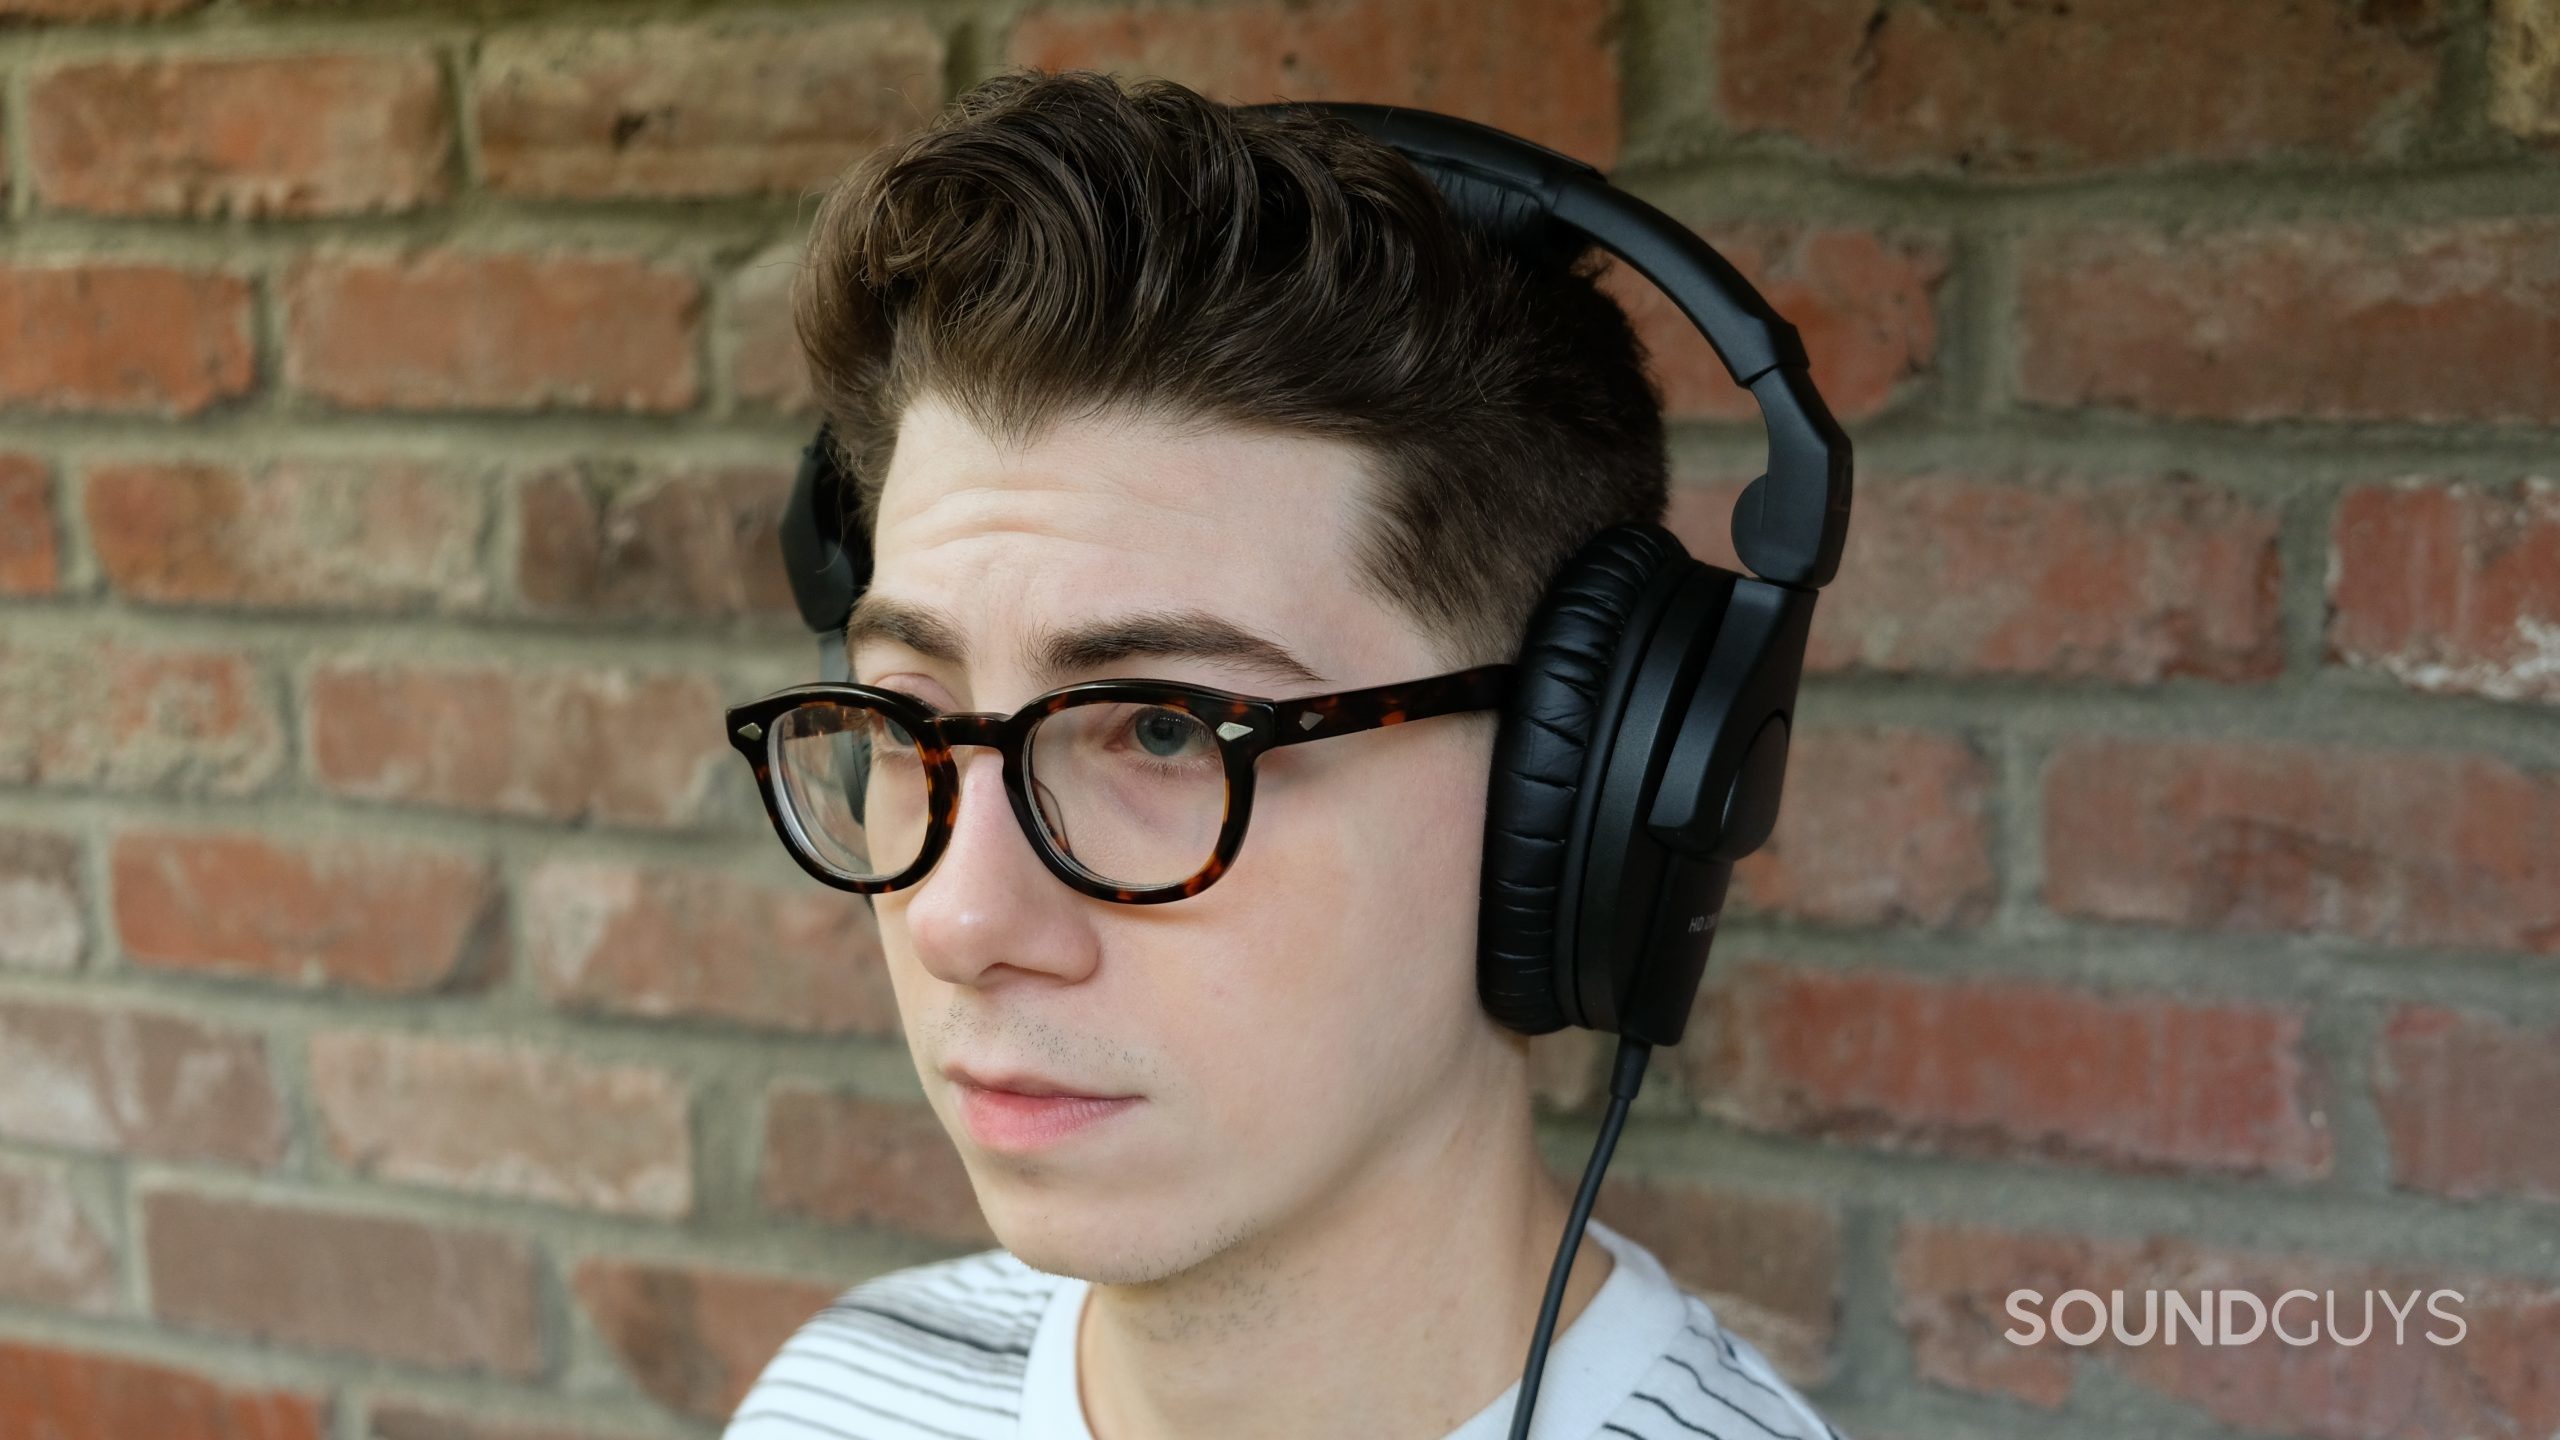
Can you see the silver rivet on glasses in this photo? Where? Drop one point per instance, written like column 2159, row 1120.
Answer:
column 1308, row 721
column 751, row 731
column 1232, row 729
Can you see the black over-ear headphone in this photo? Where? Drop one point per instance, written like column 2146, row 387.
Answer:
column 1644, row 745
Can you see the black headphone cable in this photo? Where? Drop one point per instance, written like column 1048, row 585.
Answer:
column 1626, row 1076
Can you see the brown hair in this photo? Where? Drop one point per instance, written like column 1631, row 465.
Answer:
column 1057, row 243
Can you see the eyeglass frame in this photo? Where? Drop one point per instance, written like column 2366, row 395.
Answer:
column 1245, row 726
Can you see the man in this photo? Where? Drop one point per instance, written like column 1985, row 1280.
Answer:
column 1134, row 385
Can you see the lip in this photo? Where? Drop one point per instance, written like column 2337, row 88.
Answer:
column 1016, row 1112
column 1025, row 1082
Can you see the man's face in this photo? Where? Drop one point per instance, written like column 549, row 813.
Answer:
column 1308, row 1019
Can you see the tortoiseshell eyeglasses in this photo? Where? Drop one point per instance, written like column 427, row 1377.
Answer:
column 1131, row 790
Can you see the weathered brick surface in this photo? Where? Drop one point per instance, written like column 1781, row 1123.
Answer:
column 612, row 746
column 2524, row 67
column 694, row 1337
column 1547, row 69
column 135, row 1083
column 2065, row 89
column 505, row 1120
column 2014, row 1068
column 44, row 915
column 664, row 942
column 291, row 134
column 112, row 713
column 57, row 1394
column 698, row 109
column 1865, row 303
column 850, row 1160
column 54, row 1248
column 118, row 337
column 616, row 541
column 1954, row 1281
column 337, row 535
column 30, row 534
column 2410, row 847
column 436, row 1297
column 455, row 330
column 2450, row 586
column 2209, row 323
column 2128, row 579
column 1877, row 828
column 360, row 913
column 766, row 368
column 2468, row 1100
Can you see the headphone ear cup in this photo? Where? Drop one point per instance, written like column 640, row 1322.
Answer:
column 1541, row 758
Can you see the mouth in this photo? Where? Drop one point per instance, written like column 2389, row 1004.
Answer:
column 1017, row 1112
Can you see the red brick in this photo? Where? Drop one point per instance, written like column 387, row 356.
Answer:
column 48, row 1394
column 661, row 543
column 1866, row 305
column 2524, row 68
column 609, row 746
column 53, row 1250
column 394, row 1421
column 336, row 535
column 1547, row 69
column 1770, row 1267
column 125, row 1082
column 2124, row 579
column 2210, row 324
column 1954, row 1283
column 1946, row 88
column 123, row 337
column 848, row 1160
column 2468, row 1100
column 105, row 713
column 352, row 912
column 30, row 537
column 2450, row 586
column 1877, row 828
column 2404, row 847
column 694, row 1338
column 44, row 902
column 505, row 1120
column 767, row 369
column 660, row 941
column 1987, row 1066
column 256, row 135
column 398, row 1290
column 452, row 330
column 682, row 111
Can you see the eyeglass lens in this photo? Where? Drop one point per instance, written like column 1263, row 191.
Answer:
column 1133, row 794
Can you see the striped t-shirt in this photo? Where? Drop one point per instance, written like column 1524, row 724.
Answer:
column 983, row 1347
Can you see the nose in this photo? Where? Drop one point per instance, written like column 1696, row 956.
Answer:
column 989, row 906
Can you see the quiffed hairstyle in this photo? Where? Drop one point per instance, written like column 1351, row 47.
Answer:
column 1055, row 244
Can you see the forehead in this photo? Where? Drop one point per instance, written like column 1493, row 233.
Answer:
column 1123, row 512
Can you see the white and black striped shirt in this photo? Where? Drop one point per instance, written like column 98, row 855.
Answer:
column 983, row 1347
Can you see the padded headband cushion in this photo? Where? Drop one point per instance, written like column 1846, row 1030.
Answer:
column 1565, row 669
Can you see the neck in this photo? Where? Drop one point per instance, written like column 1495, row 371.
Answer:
column 1397, row 1308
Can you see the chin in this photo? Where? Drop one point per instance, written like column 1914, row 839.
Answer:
column 1105, row 1241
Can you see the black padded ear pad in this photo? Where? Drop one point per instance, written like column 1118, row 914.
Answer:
column 1567, row 663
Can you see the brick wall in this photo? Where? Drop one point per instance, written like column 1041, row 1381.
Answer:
column 409, row 1029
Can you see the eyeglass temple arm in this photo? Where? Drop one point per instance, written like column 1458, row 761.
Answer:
column 1313, row 717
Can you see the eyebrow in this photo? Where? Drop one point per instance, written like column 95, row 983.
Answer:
column 1168, row 634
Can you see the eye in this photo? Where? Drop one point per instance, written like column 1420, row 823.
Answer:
column 1166, row 733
